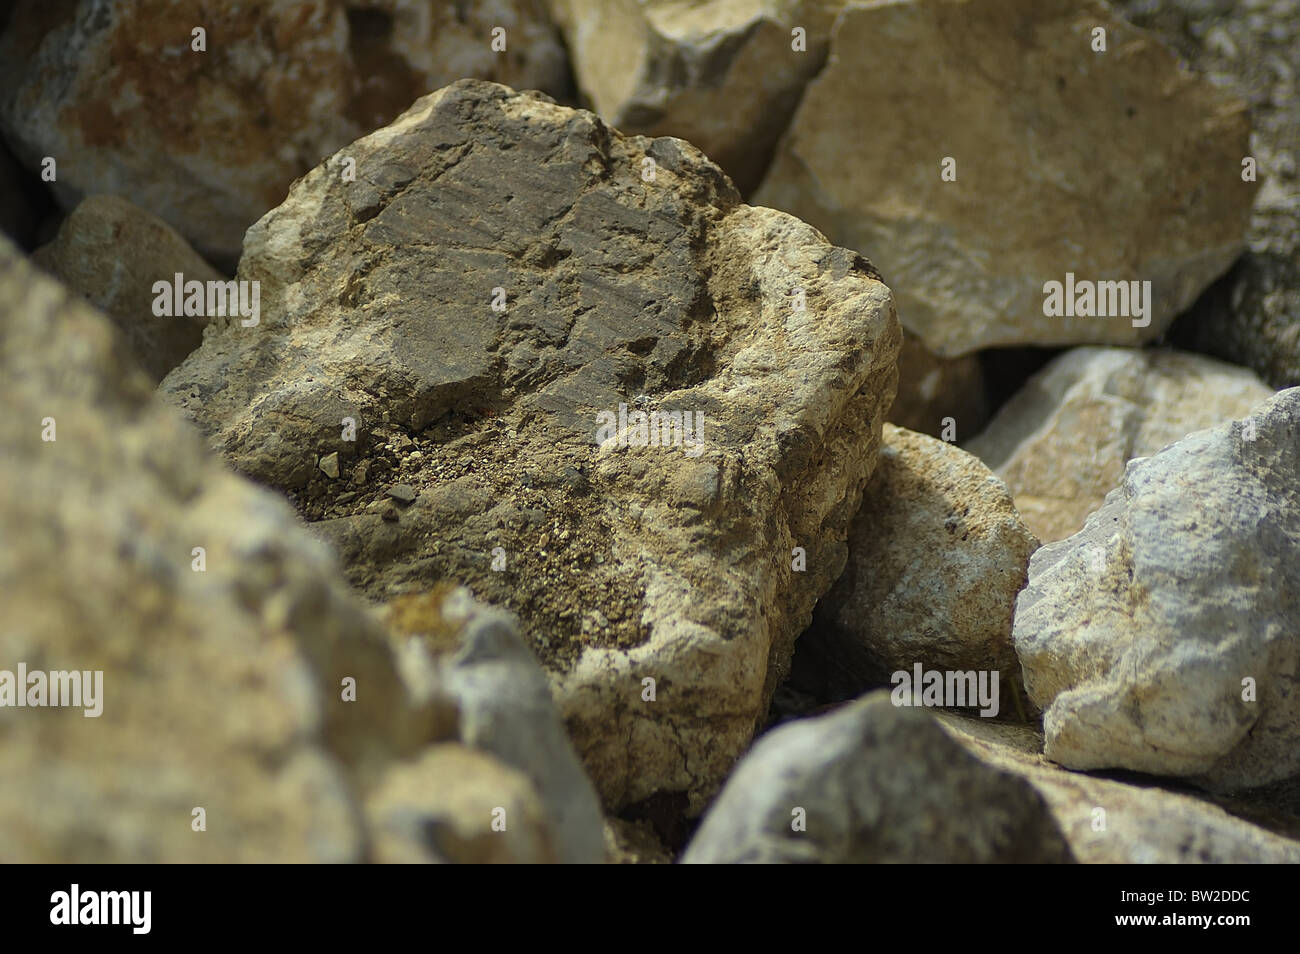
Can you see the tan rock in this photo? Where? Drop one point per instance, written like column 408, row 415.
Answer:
column 937, row 554
column 1062, row 442
column 224, row 632
column 208, row 141
column 625, row 560
column 454, row 804
column 112, row 253
column 1108, row 166
column 722, row 75
column 1111, row 822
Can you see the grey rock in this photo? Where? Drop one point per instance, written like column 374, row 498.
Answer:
column 1113, row 822
column 1062, row 441
column 876, row 783
column 1162, row 637
column 505, row 706
column 667, row 296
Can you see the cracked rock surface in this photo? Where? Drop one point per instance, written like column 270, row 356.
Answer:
column 500, row 272
column 1163, row 636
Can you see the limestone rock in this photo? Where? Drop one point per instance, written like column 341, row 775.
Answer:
column 1062, row 441
column 724, row 75
column 440, row 807
column 223, row 667
column 937, row 555
column 1135, row 824
column 1251, row 316
column 504, row 700
column 938, row 395
column 1109, row 166
column 499, row 277
column 875, row 784
column 1162, row 637
column 208, row 141
column 112, row 253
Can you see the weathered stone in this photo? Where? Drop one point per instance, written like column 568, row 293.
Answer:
column 1162, row 637
column 1252, row 316
column 1109, row 166
column 441, row 807
column 113, row 253
column 937, row 555
column 329, row 465
column 224, row 667
column 209, row 141
column 379, row 303
column 477, row 656
column 634, row 843
column 1112, row 822
column 1062, row 441
column 874, row 783
column 942, row 397
column 725, row 76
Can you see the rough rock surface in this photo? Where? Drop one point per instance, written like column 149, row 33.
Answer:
column 476, row 655
column 1252, row 316
column 723, row 75
column 624, row 562
column 937, row 554
column 1162, row 637
column 112, row 253
column 440, row 807
column 876, row 783
column 934, row 391
column 1062, row 441
column 1110, row 166
column 208, row 141
column 221, row 688
column 1137, row 824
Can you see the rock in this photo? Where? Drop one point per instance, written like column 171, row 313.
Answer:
column 1161, row 638
column 937, row 555
column 402, row 493
column 329, row 466
column 669, row 297
column 210, row 140
column 1135, row 824
column 634, row 843
column 505, row 706
column 873, row 783
column 1109, row 166
column 1250, row 316
column 1062, row 441
column 938, row 396
column 113, row 253
column 441, row 808
column 724, row 76
column 223, row 668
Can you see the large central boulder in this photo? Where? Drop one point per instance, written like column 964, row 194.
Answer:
column 492, row 290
